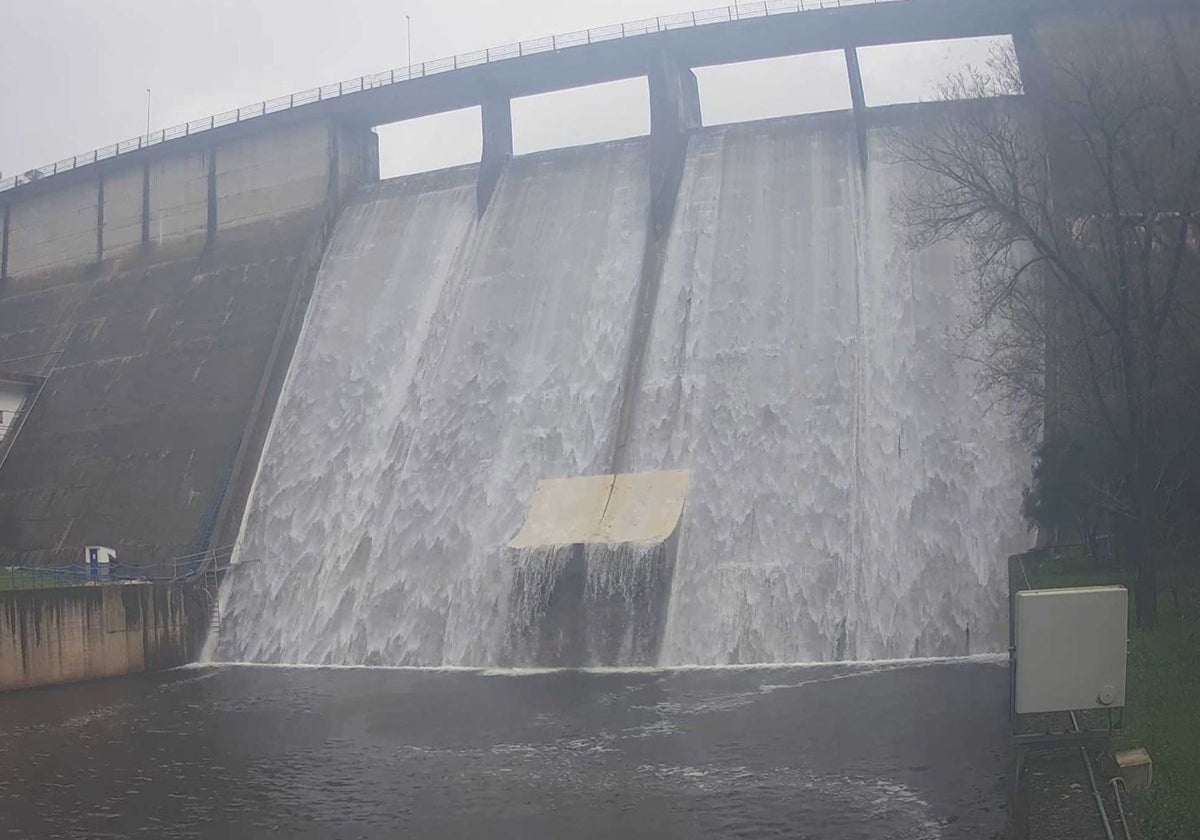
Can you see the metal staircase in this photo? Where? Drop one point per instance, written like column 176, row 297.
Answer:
column 210, row 584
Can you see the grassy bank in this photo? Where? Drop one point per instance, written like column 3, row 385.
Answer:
column 1164, row 717
column 1163, row 698
column 12, row 579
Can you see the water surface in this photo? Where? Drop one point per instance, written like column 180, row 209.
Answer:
column 889, row 750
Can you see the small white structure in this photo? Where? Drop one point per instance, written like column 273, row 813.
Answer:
column 1136, row 768
column 99, row 560
column 12, row 397
column 1071, row 649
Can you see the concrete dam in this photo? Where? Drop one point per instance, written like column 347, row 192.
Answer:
column 849, row 494
column 233, row 335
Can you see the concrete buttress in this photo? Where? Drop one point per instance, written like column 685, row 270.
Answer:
column 496, row 114
column 674, row 114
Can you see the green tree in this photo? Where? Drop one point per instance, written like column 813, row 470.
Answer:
column 1072, row 489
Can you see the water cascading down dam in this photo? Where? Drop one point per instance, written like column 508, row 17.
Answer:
column 848, row 494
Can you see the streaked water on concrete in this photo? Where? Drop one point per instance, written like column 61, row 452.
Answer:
column 894, row 751
column 850, row 497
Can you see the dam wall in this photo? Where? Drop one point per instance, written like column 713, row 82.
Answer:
column 151, row 300
column 850, row 496
column 53, row 636
column 528, row 317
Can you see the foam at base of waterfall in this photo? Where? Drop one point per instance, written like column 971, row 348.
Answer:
column 599, row 605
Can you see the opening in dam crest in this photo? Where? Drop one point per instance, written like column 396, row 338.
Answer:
column 426, row 144
column 896, row 74
column 581, row 116
column 773, row 87
column 730, row 93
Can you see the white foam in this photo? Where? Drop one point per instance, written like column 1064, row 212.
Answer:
column 856, row 667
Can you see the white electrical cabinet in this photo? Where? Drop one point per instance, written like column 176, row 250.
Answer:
column 1071, row 648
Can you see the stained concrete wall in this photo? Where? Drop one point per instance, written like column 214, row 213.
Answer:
column 1158, row 46
column 124, row 194
column 157, row 355
column 1155, row 49
column 269, row 177
column 169, row 202
column 52, row 636
column 55, row 229
column 178, row 208
column 143, row 409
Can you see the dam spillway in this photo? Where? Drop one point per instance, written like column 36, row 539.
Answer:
column 850, row 496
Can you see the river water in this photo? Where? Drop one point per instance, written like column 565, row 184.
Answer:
column 890, row 750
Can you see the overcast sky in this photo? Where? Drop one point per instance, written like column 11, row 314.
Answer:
column 74, row 73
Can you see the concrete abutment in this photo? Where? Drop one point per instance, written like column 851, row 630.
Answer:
column 54, row 636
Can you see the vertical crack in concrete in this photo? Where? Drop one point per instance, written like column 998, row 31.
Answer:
column 100, row 220
column 4, row 243
column 211, row 230
column 145, row 205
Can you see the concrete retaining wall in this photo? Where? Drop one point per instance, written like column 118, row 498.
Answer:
column 52, row 636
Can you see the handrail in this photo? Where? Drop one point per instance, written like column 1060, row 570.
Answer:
column 175, row 570
column 553, row 43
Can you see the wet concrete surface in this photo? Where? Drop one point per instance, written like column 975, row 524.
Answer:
column 890, row 750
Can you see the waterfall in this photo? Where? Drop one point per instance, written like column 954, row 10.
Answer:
column 850, row 495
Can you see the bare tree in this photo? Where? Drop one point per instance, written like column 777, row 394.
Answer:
column 1079, row 203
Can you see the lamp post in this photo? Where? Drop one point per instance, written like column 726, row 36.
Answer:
column 147, row 113
column 408, row 22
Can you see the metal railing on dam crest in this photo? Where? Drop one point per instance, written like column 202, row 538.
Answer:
column 553, row 43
